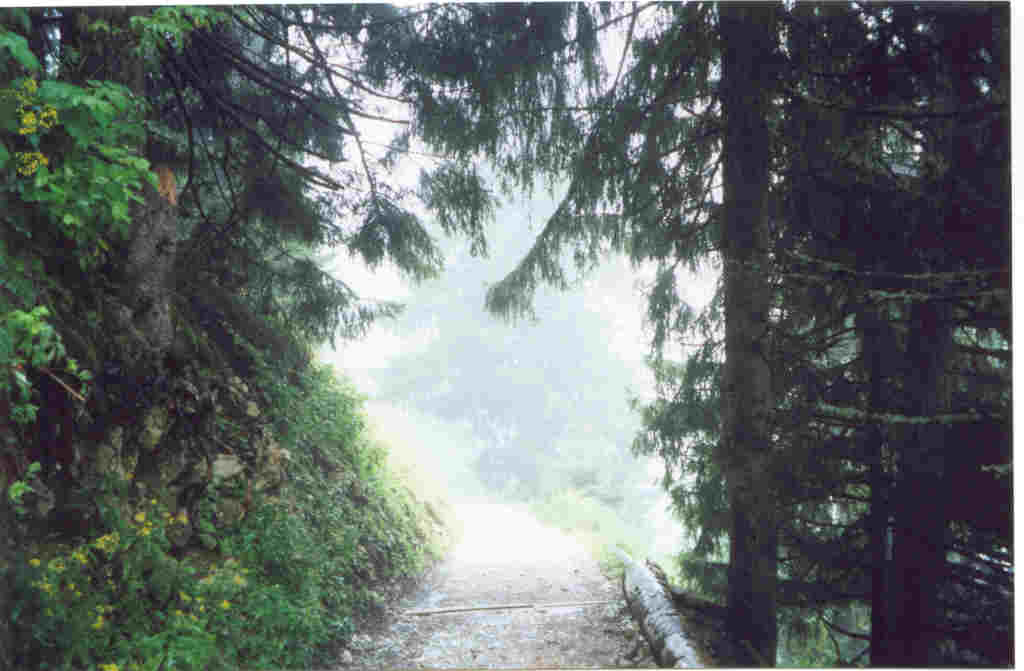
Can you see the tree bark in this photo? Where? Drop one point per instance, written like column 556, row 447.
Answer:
column 149, row 261
column 748, row 38
column 654, row 611
column 924, row 485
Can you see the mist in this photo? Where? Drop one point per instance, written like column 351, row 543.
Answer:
column 477, row 410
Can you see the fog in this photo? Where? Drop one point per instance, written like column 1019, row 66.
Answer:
column 476, row 409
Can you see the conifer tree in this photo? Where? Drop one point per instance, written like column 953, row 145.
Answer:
column 861, row 395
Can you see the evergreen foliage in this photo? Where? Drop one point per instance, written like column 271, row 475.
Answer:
column 166, row 175
column 888, row 332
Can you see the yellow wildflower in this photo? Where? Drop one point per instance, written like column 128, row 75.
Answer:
column 29, row 123
column 107, row 543
column 140, row 517
column 48, row 118
column 109, row 667
column 80, row 556
column 225, row 604
column 29, row 162
column 34, row 561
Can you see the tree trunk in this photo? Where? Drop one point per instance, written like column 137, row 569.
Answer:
column 924, row 488
column 919, row 548
column 749, row 39
column 652, row 607
column 871, row 325
column 150, row 255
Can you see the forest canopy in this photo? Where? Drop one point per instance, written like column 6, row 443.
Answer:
column 170, row 174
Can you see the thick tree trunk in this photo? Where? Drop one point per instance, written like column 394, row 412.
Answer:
column 871, row 326
column 919, row 548
column 749, row 39
column 915, row 614
column 150, row 255
column 654, row 611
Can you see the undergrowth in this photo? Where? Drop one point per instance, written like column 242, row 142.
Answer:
column 282, row 586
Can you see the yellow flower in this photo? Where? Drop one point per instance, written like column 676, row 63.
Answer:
column 48, row 118
column 107, row 543
column 109, row 667
column 225, row 604
column 140, row 517
column 239, row 580
column 34, row 561
column 80, row 556
column 144, row 531
column 29, row 162
column 182, row 517
column 28, row 123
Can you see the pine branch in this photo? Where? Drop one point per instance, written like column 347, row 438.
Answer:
column 856, row 415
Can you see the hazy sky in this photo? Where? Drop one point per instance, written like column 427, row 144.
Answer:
column 622, row 304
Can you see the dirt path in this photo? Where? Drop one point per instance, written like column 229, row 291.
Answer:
column 506, row 557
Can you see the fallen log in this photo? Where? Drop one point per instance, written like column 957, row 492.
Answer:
column 654, row 610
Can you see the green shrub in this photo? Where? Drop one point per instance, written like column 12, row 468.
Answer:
column 279, row 590
column 122, row 601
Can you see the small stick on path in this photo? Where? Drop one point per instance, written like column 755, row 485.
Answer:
column 462, row 609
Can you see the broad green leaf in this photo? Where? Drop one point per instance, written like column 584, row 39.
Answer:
column 18, row 46
column 60, row 94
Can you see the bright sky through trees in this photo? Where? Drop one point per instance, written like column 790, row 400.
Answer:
column 359, row 358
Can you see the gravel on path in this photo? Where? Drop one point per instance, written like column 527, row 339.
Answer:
column 506, row 557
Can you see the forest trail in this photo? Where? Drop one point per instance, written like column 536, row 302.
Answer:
column 507, row 558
